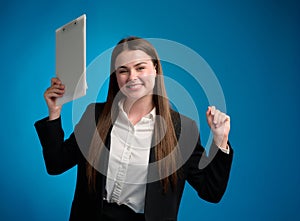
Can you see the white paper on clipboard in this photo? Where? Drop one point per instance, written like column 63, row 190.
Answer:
column 71, row 59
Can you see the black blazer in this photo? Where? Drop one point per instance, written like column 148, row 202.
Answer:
column 60, row 155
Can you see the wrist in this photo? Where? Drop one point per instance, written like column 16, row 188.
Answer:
column 53, row 115
column 221, row 142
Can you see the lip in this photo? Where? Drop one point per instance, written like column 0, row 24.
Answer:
column 134, row 86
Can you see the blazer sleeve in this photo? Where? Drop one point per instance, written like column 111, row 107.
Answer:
column 208, row 175
column 60, row 155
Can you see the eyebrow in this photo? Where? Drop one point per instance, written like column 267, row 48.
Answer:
column 142, row 62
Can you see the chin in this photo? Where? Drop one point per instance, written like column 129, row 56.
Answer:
column 135, row 96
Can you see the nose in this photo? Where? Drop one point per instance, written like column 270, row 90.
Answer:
column 132, row 75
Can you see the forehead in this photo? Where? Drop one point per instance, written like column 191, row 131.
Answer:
column 133, row 56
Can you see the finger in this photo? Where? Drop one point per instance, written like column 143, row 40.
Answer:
column 213, row 110
column 54, row 95
column 208, row 111
column 227, row 119
column 216, row 117
column 55, row 81
column 51, row 91
column 222, row 118
column 56, row 90
column 209, row 117
column 58, row 86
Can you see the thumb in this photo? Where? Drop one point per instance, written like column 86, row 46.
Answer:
column 209, row 115
column 208, row 111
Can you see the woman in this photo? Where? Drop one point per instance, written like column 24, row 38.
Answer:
column 133, row 152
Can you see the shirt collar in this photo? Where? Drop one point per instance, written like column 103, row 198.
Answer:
column 151, row 115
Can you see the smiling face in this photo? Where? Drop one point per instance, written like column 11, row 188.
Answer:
column 135, row 74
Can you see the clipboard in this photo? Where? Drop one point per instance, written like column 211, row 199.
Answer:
column 71, row 59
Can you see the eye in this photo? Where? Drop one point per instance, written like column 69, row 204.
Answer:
column 140, row 68
column 122, row 71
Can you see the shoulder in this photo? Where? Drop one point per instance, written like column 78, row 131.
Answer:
column 185, row 127
column 95, row 108
column 89, row 119
column 91, row 113
column 180, row 119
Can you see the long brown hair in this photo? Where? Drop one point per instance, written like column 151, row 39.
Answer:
column 164, row 145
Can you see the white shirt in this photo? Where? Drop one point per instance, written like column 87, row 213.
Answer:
column 128, row 160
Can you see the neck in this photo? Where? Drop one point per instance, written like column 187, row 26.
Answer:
column 136, row 109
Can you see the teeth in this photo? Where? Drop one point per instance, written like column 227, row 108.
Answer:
column 133, row 86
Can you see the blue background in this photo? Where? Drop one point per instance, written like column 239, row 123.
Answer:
column 252, row 46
